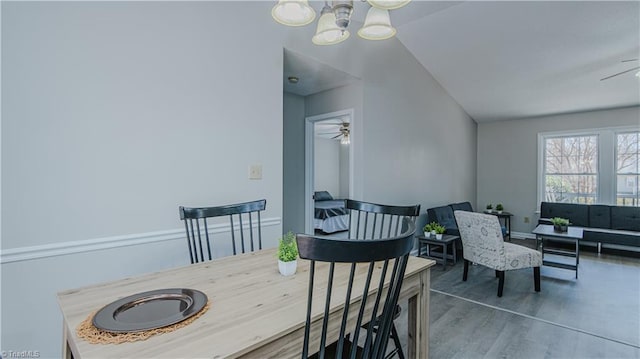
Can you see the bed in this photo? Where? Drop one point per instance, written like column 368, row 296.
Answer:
column 330, row 215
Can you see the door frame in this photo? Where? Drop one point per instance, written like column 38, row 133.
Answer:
column 309, row 160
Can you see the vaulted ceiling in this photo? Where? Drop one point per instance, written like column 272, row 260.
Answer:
column 509, row 60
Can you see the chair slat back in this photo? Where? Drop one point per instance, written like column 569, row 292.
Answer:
column 244, row 219
column 384, row 261
column 376, row 221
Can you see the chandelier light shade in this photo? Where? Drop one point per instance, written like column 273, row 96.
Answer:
column 638, row 74
column 388, row 4
column 377, row 25
column 328, row 32
column 335, row 18
column 293, row 12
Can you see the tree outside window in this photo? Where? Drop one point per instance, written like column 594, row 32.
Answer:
column 627, row 169
column 571, row 169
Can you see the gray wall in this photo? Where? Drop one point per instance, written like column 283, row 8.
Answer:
column 344, row 171
column 115, row 113
column 508, row 155
column 327, row 165
column 293, row 164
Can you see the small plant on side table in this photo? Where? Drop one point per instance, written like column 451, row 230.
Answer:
column 427, row 229
column 499, row 208
column 560, row 224
column 287, row 254
column 439, row 230
column 489, row 208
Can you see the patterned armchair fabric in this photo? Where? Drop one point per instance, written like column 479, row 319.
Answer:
column 483, row 244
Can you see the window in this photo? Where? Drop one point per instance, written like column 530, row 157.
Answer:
column 571, row 169
column 627, row 169
column 592, row 166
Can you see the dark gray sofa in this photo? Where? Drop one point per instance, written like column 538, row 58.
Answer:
column 444, row 216
column 603, row 224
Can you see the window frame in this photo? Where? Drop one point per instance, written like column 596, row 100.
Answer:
column 606, row 139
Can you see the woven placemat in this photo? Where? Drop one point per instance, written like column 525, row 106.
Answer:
column 87, row 331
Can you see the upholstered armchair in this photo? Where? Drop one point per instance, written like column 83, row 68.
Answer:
column 482, row 243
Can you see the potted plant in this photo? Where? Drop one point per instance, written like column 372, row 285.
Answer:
column 489, row 208
column 439, row 230
column 427, row 229
column 287, row 254
column 433, row 228
column 560, row 224
column 499, row 208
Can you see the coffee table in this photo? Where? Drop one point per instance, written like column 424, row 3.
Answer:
column 573, row 233
column 447, row 241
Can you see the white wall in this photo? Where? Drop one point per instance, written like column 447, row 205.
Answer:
column 327, row 166
column 119, row 112
column 507, row 157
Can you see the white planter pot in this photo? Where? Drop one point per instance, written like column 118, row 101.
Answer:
column 287, row 268
column 439, row 236
column 433, row 233
column 499, row 212
column 427, row 234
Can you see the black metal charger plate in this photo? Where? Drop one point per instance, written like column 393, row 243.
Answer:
column 149, row 310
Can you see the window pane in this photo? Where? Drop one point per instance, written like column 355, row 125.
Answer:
column 553, row 164
column 627, row 194
column 571, row 169
column 553, row 147
column 627, row 169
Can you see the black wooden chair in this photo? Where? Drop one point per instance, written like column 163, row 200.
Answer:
column 378, row 221
column 379, row 257
column 244, row 219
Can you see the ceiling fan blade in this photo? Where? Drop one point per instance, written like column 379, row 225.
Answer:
column 629, row 60
column 334, row 137
column 620, row 73
column 329, row 124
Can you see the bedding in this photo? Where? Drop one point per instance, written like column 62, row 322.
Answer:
column 330, row 215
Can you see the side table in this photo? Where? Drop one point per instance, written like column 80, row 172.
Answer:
column 507, row 221
column 447, row 241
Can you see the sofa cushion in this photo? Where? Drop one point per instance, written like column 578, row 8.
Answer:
column 577, row 214
column 462, row 206
column 443, row 215
column 625, row 218
column 599, row 216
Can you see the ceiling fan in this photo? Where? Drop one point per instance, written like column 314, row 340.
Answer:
column 625, row 71
column 339, row 129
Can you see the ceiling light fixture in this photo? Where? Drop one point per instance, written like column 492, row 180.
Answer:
column 638, row 74
column 345, row 140
column 335, row 18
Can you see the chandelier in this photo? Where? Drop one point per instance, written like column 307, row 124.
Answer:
column 335, row 17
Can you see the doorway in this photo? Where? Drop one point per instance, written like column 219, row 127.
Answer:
column 328, row 160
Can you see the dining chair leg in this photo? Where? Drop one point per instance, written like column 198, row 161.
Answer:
column 536, row 278
column 501, row 282
column 466, row 270
column 396, row 342
column 497, row 274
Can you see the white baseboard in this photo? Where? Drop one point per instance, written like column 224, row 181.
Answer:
column 70, row 247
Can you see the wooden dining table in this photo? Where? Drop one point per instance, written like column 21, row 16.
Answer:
column 254, row 311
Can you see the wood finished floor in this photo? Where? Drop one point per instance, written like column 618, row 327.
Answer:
column 595, row 316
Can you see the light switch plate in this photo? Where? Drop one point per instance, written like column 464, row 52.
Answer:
column 255, row 172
